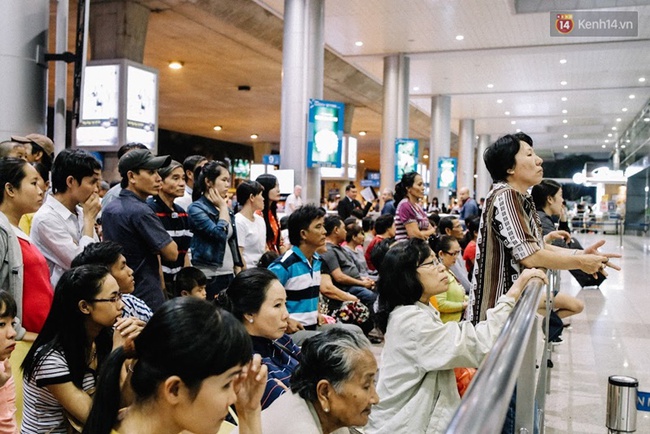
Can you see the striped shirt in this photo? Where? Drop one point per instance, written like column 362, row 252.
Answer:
column 134, row 307
column 301, row 280
column 509, row 232
column 281, row 357
column 409, row 213
column 42, row 413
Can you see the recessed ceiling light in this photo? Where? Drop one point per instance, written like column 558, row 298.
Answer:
column 254, row 136
column 513, row 122
column 609, row 135
column 632, row 96
column 604, row 146
column 618, row 119
column 622, row 146
column 562, row 61
column 175, row 64
column 564, row 121
column 217, row 128
column 564, row 111
column 362, row 161
column 641, row 79
column 518, row 130
column 499, row 101
column 490, row 86
column 566, row 146
column 566, row 136
column 359, row 44
column 613, row 128
column 606, row 141
column 362, row 133
column 624, row 109
column 564, row 98
column 507, row 113
column 646, row 119
column 416, row 88
column 563, row 83
column 459, row 37
column 425, row 156
column 627, row 141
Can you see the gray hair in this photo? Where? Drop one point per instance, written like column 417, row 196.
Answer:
column 330, row 356
column 164, row 172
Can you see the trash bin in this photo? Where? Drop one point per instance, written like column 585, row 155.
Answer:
column 621, row 403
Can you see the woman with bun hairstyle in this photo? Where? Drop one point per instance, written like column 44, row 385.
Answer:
column 214, row 246
column 189, row 364
column 257, row 298
column 271, row 196
column 410, row 219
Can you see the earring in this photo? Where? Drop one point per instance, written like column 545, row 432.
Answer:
column 250, row 320
column 326, row 410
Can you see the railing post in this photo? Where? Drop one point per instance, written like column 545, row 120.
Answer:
column 525, row 413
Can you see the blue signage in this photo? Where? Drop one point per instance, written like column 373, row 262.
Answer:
column 447, row 170
column 406, row 157
column 325, row 134
column 370, row 183
column 643, row 401
column 272, row 159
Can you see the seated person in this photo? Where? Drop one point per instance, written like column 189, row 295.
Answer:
column 451, row 226
column 190, row 281
column 354, row 239
column 111, row 255
column 384, row 228
column 341, row 265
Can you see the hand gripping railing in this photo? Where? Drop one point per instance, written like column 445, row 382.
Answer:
column 511, row 360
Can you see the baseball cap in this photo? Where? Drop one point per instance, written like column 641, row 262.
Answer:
column 43, row 141
column 141, row 159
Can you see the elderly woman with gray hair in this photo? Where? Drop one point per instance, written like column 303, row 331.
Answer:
column 332, row 389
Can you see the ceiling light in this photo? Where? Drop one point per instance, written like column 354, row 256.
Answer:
column 609, row 135
column 499, row 101
column 624, row 109
column 641, row 79
column 175, row 64
column 606, row 141
column 362, row 161
column 564, row 111
column 622, row 146
column 618, row 119
column 627, row 141
column 217, row 128
column 416, row 88
column 518, row 130
column 490, row 86
column 604, row 146
column 513, row 122
column 507, row 113
column 362, row 133
column 562, row 61
column 564, row 98
column 563, row 83
column 254, row 136
column 564, row 121
column 613, row 128
column 425, row 156
column 566, row 146
column 631, row 96
column 359, row 44
column 459, row 37
column 566, row 136
column 646, row 119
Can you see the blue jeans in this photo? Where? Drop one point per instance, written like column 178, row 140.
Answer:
column 366, row 296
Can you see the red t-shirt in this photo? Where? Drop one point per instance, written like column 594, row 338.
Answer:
column 37, row 289
column 469, row 254
column 371, row 246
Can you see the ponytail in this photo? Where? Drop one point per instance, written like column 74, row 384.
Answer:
column 408, row 179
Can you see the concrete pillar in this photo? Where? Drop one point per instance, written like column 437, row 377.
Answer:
column 483, row 180
column 439, row 143
column 395, row 114
column 616, row 159
column 23, row 88
column 118, row 29
column 466, row 155
column 302, row 78
column 347, row 118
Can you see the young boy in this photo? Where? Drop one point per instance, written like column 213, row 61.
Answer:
column 110, row 255
column 190, row 281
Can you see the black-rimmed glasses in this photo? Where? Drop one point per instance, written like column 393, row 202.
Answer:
column 113, row 299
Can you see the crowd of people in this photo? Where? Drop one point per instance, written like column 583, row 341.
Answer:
column 153, row 307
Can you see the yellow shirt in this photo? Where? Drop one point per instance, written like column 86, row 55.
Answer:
column 450, row 302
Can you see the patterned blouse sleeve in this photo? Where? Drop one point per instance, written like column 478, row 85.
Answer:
column 513, row 226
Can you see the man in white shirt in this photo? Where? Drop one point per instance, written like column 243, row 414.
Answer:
column 65, row 224
column 189, row 166
column 294, row 201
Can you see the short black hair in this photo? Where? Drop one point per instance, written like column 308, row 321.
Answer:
column 104, row 253
column 189, row 163
column 187, row 279
column 349, row 187
column 300, row 220
column 247, row 189
column 129, row 147
column 499, row 157
column 332, row 222
column 8, row 307
column 72, row 162
column 446, row 223
column 351, row 231
column 542, row 191
column 383, row 223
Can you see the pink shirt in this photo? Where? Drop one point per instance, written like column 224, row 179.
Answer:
column 8, row 405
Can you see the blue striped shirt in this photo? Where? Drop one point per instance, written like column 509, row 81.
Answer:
column 301, row 280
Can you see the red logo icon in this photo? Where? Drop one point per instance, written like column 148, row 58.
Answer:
column 564, row 23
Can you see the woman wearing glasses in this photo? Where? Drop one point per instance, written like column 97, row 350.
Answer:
column 452, row 302
column 61, row 366
column 417, row 383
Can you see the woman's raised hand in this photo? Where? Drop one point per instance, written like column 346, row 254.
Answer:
column 530, row 273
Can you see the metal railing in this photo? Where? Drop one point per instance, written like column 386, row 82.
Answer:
column 511, row 361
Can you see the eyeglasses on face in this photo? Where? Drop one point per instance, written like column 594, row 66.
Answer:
column 456, row 253
column 432, row 263
column 113, row 299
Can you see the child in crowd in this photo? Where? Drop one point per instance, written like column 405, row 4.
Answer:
column 111, row 255
column 190, row 281
column 8, row 312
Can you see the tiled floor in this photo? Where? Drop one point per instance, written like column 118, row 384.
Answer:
column 610, row 337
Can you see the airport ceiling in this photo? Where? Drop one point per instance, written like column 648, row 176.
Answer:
column 571, row 94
